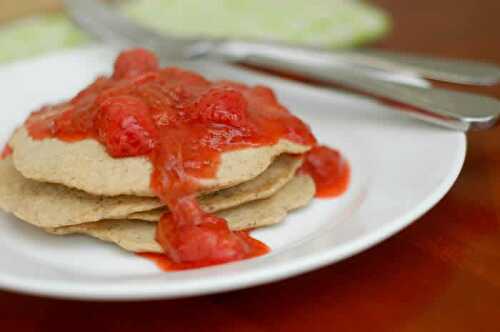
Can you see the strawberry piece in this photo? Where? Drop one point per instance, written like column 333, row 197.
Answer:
column 125, row 127
column 266, row 93
column 223, row 106
column 191, row 235
column 134, row 62
column 329, row 170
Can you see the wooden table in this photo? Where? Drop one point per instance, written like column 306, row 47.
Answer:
column 440, row 274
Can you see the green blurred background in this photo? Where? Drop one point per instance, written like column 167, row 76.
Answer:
column 29, row 27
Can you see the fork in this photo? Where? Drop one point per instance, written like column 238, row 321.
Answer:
column 452, row 109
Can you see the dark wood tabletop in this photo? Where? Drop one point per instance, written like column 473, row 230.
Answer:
column 440, row 274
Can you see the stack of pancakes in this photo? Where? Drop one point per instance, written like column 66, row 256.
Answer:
column 67, row 188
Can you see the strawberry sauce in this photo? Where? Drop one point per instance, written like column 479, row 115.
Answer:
column 7, row 151
column 330, row 171
column 182, row 123
column 167, row 264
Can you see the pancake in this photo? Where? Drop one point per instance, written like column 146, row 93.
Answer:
column 266, row 184
column 52, row 205
column 139, row 236
column 86, row 165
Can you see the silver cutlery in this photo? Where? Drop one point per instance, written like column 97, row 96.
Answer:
column 452, row 109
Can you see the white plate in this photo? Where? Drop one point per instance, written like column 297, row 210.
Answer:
column 400, row 169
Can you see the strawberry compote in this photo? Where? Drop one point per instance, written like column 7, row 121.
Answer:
column 183, row 123
column 7, row 151
column 330, row 171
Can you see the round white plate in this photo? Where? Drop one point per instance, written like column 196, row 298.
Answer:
column 400, row 169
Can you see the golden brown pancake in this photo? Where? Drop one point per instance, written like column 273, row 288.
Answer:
column 52, row 205
column 139, row 236
column 85, row 165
